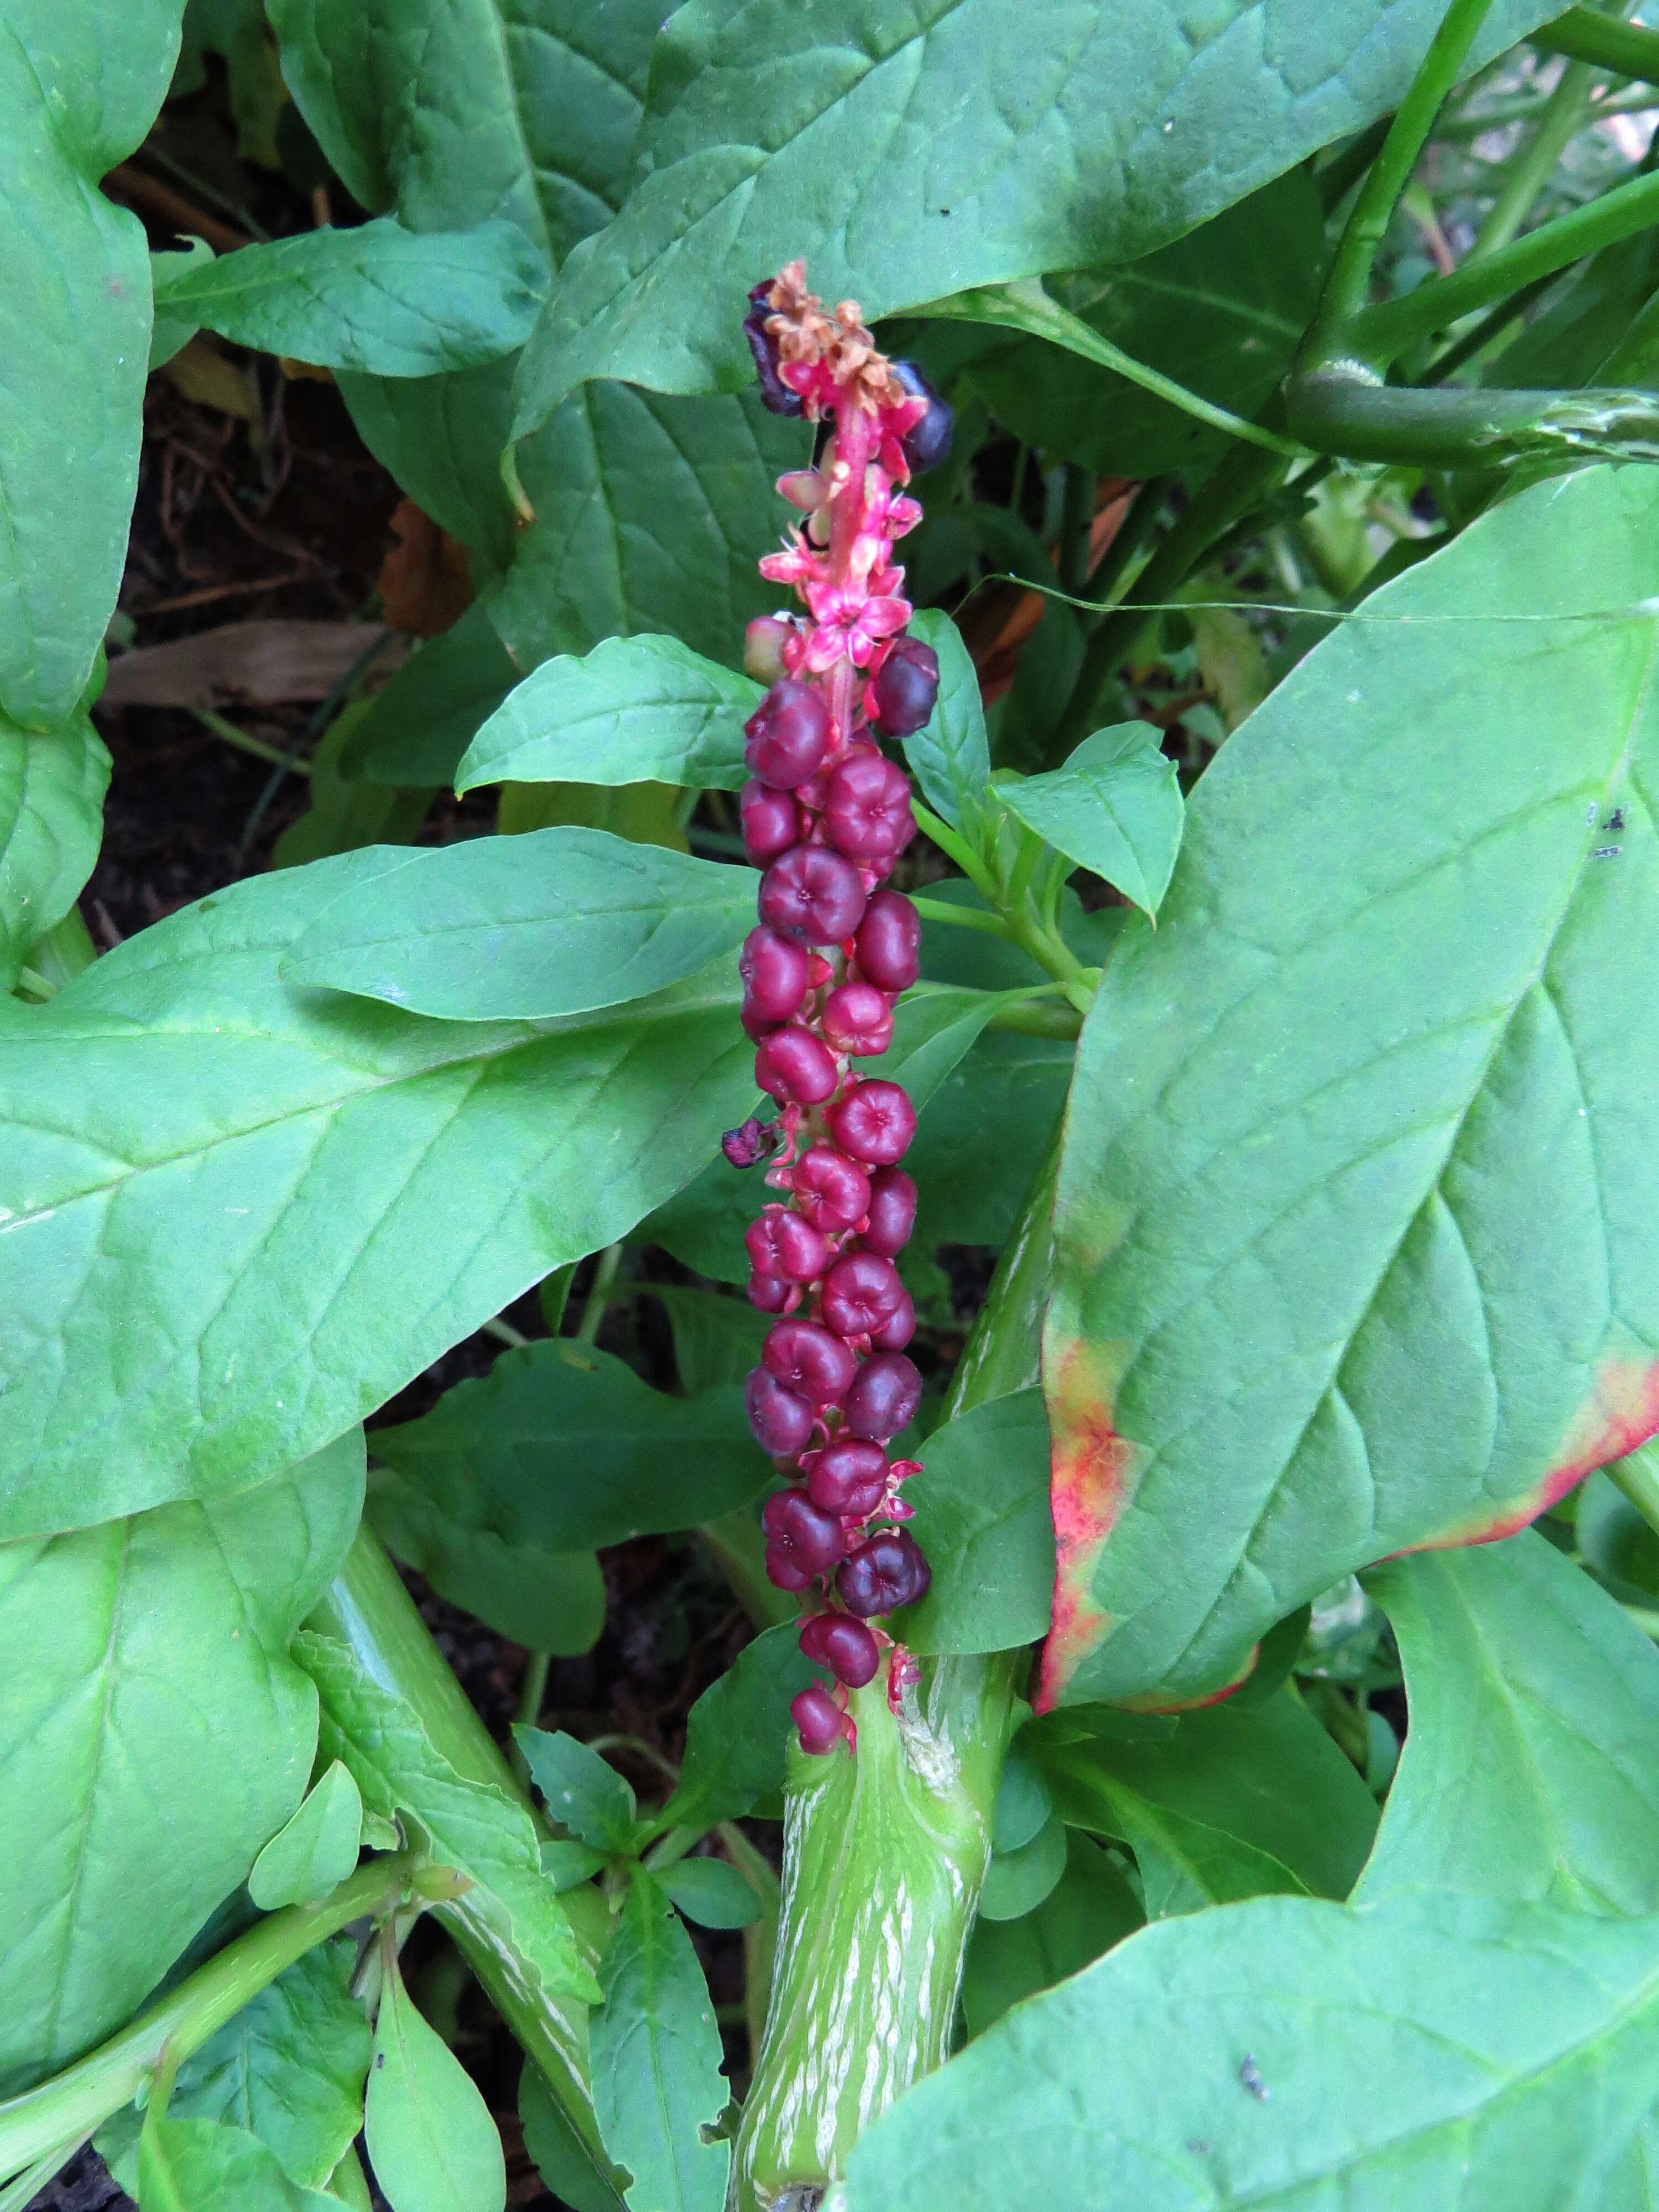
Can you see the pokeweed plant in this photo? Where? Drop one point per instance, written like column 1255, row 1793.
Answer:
column 1223, row 935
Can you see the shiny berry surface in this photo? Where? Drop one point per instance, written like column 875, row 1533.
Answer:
column 858, row 1019
column 892, row 1214
column 905, row 688
column 807, row 1536
column 796, row 1068
column 848, row 1476
column 860, row 1293
column 899, row 1326
column 830, row 1190
column 809, row 1359
column 787, row 736
column 927, row 444
column 881, row 1576
column 783, row 1573
column 818, row 1720
column 867, row 806
column 770, row 819
column 813, row 894
column 774, row 969
column 889, row 942
column 874, row 1122
column 779, row 1243
column 770, row 1294
column 850, row 1651
column 781, row 1418
column 883, row 1397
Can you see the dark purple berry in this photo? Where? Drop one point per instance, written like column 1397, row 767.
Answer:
column 832, row 1191
column 904, row 688
column 783, row 1573
column 892, row 1212
column 883, row 1397
column 889, row 942
column 796, row 1068
column 897, row 1331
column 846, row 1647
column 819, row 1720
column 867, row 805
column 812, row 893
column 806, row 1358
column 848, row 1477
column 858, row 1019
column 861, row 1293
column 925, row 446
column 874, row 1122
column 770, row 1294
column 774, row 971
column 787, row 735
column 808, row 1537
column 781, row 1418
column 749, row 1142
column 771, row 821
column 780, row 1243
column 774, row 392
column 881, row 1576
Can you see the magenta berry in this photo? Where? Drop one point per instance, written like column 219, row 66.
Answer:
column 774, row 971
column 881, row 1398
column 858, row 1019
column 847, row 1477
column 874, row 1122
column 892, row 1212
column 867, row 806
column 806, row 1358
column 781, row 1244
column 832, row 1191
column 889, row 942
column 904, row 688
column 784, row 1573
column 781, row 1418
column 812, row 893
column 881, row 1576
column 899, row 1326
column 770, row 1294
column 807, row 1536
column 771, row 821
column 819, row 1720
column 796, row 1068
column 861, row 1293
column 787, row 735
column 850, row 1651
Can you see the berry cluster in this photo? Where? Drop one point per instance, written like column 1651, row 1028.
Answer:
column 826, row 814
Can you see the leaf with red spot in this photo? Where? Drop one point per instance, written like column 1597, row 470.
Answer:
column 1357, row 1250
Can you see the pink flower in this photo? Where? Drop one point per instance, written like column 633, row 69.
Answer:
column 794, row 565
column 849, row 624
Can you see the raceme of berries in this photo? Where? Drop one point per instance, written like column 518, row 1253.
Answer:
column 826, row 814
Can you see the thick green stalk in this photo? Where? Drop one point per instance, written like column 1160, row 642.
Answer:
column 1626, row 49
column 1469, row 427
column 885, row 1852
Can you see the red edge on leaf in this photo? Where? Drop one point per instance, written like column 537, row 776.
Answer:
column 1621, row 1413
column 1154, row 1701
column 1089, row 1468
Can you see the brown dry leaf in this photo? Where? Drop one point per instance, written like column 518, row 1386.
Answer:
column 306, row 371
column 262, row 661
column 426, row 580
column 209, row 378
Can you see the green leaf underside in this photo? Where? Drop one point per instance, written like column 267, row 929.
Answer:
column 951, row 756
column 1289, row 2052
column 139, row 1656
column 288, row 2069
column 737, row 1736
column 563, row 1448
column 711, row 1892
column 976, row 109
column 525, row 928
column 379, row 298
column 1116, row 808
column 317, row 1849
column 78, row 90
column 581, row 1790
column 253, row 1177
column 981, row 1519
column 1531, row 1767
column 473, row 1825
column 1089, row 1908
column 52, row 819
column 193, row 2165
column 1018, row 1882
column 418, row 727
column 1386, row 1105
column 634, row 710
column 656, row 2060
column 431, row 2141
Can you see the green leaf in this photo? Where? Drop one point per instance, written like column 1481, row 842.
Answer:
column 1089, row 1908
column 1290, row 2053
column 51, row 820
column 1023, row 1803
column 254, row 1175
column 418, row 727
column 431, row 2141
column 1531, row 1766
column 1016, row 1881
column 982, row 1518
column 199, row 2166
column 474, row 1826
column 379, row 298
column 441, row 438
column 548, row 1601
column 656, row 2059
column 644, row 813
column 288, row 2067
column 564, row 2164
column 716, row 1340
column 79, row 88
column 987, row 1123
column 951, row 756
column 563, row 1448
column 917, row 152
column 737, row 1736
column 525, row 928
column 344, row 815
column 711, row 1892
column 1352, row 1234
column 139, row 1657
column 568, row 1865
column 634, row 710
column 317, row 1849
column 1115, row 808
column 582, row 1791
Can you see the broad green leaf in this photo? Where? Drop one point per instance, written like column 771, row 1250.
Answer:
column 418, row 727
column 548, row 1601
column 982, row 1518
column 1231, row 1804
column 431, row 2141
column 567, row 1865
column 199, row 2166
column 711, row 1892
column 582, row 1791
column 919, row 150
column 1089, row 1908
column 1352, row 1227
column 656, row 2059
column 1115, row 807
column 379, row 298
column 716, row 1340
column 317, row 1849
column 1579, row 338
column 1531, row 1766
column 1290, row 2053
column 345, row 816
column 79, row 88
column 564, row 2165
column 951, row 755
column 634, row 710
column 988, row 1123
column 1016, row 1881
column 52, row 819
column 644, row 813
column 253, row 1176
column 474, row 1826
column 563, row 1448
column 288, row 2067
column 441, row 438
column 1023, row 1802
column 737, row 1736
column 525, row 928
column 137, row 1659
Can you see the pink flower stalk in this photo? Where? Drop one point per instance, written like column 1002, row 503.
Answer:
column 827, row 814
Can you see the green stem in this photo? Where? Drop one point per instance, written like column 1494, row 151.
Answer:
column 955, row 847
column 532, row 1695
column 1626, row 49
column 1563, row 117
column 504, row 1333
column 17, row 2196
column 959, row 917
column 246, row 742
column 1470, row 427
column 1349, row 164
column 1077, row 514
column 1637, row 1476
column 599, row 1294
